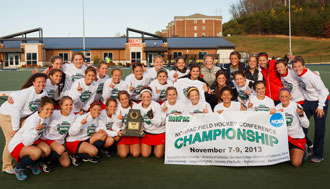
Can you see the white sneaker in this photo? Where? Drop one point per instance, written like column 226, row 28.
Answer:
column 9, row 171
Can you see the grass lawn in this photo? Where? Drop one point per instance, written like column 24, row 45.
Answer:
column 279, row 45
column 153, row 173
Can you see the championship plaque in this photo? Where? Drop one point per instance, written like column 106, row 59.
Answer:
column 134, row 124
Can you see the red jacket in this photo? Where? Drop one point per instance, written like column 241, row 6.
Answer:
column 273, row 81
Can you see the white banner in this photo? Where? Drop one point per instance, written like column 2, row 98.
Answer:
column 242, row 138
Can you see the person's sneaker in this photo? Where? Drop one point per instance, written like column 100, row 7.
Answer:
column 36, row 170
column 310, row 150
column 305, row 153
column 107, row 153
column 316, row 160
column 45, row 167
column 9, row 171
column 92, row 160
column 76, row 161
column 20, row 174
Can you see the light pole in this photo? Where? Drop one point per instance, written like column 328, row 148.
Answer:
column 290, row 50
column 83, row 12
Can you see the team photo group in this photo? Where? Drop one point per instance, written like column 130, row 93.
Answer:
column 75, row 112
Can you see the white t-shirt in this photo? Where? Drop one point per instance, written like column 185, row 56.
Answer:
column 72, row 74
column 100, row 82
column 261, row 105
column 112, row 92
column 137, row 85
column 291, row 81
column 294, row 122
column 234, row 106
column 182, row 86
column 198, row 108
column 28, row 134
column 110, row 123
column 154, row 125
column 161, row 96
column 52, row 90
column 26, row 102
column 82, row 99
column 58, row 127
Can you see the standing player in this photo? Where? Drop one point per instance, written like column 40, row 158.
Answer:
column 74, row 71
column 83, row 91
column 158, row 64
column 260, row 102
column 316, row 104
column 26, row 102
column 180, row 69
column 101, row 77
column 136, row 81
column 160, row 85
column 290, row 81
column 113, row 85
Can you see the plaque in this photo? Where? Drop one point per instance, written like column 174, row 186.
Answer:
column 134, row 124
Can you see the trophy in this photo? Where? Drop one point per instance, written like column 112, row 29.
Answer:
column 134, row 124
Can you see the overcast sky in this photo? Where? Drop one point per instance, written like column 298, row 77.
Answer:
column 103, row 18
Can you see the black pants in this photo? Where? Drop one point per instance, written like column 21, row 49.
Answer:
column 310, row 108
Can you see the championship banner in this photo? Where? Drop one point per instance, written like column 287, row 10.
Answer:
column 233, row 138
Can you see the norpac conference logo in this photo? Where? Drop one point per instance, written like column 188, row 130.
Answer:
column 277, row 120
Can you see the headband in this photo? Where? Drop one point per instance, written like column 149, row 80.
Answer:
column 285, row 89
column 145, row 90
column 191, row 89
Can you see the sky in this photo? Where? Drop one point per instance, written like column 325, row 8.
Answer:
column 103, row 18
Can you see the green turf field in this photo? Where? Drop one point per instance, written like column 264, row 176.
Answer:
column 152, row 173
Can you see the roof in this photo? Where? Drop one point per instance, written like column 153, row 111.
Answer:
column 90, row 42
column 197, row 15
column 198, row 42
column 119, row 43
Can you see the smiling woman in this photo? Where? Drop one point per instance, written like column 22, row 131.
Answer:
column 26, row 102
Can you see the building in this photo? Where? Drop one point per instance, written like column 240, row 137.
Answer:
column 29, row 52
column 196, row 25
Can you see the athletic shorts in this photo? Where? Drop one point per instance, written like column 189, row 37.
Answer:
column 128, row 140
column 298, row 143
column 153, row 139
column 17, row 151
column 73, row 147
column 49, row 142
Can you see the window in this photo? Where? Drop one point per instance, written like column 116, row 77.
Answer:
column 195, row 27
column 203, row 27
column 195, row 34
column 136, row 57
column 88, row 57
column 65, row 56
column 195, row 21
column 16, row 60
column 203, row 21
column 176, row 54
column 31, row 59
column 201, row 55
column 109, row 55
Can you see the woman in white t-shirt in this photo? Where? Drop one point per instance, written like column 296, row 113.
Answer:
column 195, row 103
column 260, row 102
column 227, row 104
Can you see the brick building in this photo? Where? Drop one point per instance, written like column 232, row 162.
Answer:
column 196, row 25
column 18, row 52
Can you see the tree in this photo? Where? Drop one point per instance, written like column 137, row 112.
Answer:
column 327, row 30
